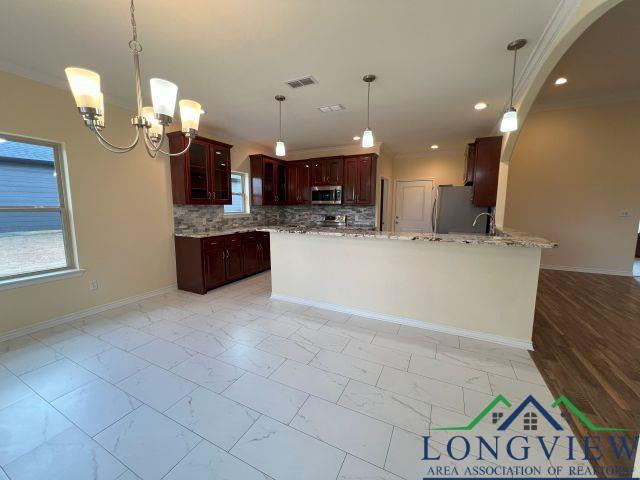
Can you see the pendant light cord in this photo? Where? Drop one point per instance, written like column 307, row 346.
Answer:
column 368, row 102
column 513, row 77
column 280, row 105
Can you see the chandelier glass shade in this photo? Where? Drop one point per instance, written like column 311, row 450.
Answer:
column 150, row 122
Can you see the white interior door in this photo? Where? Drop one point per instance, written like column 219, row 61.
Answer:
column 414, row 201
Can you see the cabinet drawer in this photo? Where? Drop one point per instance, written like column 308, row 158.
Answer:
column 212, row 242
column 249, row 237
column 234, row 239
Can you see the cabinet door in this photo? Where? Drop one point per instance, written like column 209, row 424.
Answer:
column 221, row 168
column 265, row 251
column 281, row 183
column 292, row 184
column 485, row 175
column 198, row 173
column 268, row 182
column 333, row 171
column 251, row 257
column 317, row 172
column 214, row 267
column 350, row 187
column 234, row 265
column 365, row 182
column 304, row 183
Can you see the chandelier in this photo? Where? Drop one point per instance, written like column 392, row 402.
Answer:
column 149, row 122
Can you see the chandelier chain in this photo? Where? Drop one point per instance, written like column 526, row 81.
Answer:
column 134, row 44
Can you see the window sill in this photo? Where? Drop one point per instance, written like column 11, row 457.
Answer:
column 40, row 278
column 236, row 215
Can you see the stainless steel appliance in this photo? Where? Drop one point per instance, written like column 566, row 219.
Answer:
column 454, row 211
column 337, row 221
column 326, row 195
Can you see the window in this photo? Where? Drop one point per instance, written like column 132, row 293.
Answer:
column 239, row 195
column 496, row 416
column 530, row 421
column 34, row 219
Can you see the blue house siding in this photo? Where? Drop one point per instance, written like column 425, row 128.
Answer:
column 27, row 179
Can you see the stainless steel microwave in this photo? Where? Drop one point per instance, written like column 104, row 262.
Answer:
column 331, row 195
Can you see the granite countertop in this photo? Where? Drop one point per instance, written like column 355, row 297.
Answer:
column 507, row 237
column 231, row 231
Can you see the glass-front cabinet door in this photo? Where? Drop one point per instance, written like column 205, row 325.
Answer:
column 198, row 173
column 221, row 161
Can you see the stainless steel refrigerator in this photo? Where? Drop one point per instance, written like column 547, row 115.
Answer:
column 454, row 211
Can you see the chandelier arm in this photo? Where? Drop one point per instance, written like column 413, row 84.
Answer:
column 154, row 146
column 179, row 153
column 115, row 148
column 149, row 148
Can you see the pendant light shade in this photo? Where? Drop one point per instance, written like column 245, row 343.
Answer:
column 163, row 96
column 509, row 121
column 367, row 138
column 155, row 130
column 281, row 151
column 189, row 115
column 367, row 135
column 85, row 86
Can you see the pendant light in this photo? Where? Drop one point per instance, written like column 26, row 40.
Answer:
column 367, row 135
column 509, row 121
column 280, row 149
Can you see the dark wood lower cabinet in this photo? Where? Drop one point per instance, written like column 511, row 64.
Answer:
column 206, row 263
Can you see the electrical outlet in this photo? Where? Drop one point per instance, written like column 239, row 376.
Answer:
column 625, row 213
column 93, row 285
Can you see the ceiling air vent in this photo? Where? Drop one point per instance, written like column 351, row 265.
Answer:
column 331, row 108
column 302, row 82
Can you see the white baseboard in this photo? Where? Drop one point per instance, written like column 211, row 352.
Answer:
column 600, row 271
column 83, row 313
column 436, row 327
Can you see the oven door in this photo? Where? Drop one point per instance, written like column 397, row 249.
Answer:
column 326, row 195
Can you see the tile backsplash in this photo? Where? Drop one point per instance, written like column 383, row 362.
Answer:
column 202, row 218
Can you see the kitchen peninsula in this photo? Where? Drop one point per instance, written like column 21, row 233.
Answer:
column 470, row 285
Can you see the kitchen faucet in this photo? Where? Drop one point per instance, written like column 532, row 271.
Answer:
column 492, row 222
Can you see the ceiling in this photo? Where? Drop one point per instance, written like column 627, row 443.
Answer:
column 601, row 64
column 434, row 60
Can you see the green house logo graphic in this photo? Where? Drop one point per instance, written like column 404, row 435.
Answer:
column 530, row 419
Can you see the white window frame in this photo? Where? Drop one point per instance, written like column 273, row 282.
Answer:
column 246, row 208
column 71, row 269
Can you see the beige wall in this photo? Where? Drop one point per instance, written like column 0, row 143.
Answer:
column 446, row 167
column 487, row 291
column 121, row 205
column 571, row 172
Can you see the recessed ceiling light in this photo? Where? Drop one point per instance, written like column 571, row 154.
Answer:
column 560, row 81
column 434, row 147
column 356, row 138
column 480, row 106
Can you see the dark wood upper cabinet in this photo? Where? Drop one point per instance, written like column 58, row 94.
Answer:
column 470, row 164
column 359, row 180
column 326, row 171
column 202, row 175
column 268, row 180
column 298, row 182
column 485, row 172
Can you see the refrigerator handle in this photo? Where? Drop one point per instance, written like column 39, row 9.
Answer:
column 434, row 213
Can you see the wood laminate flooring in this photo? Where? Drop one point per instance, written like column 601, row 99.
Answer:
column 586, row 337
